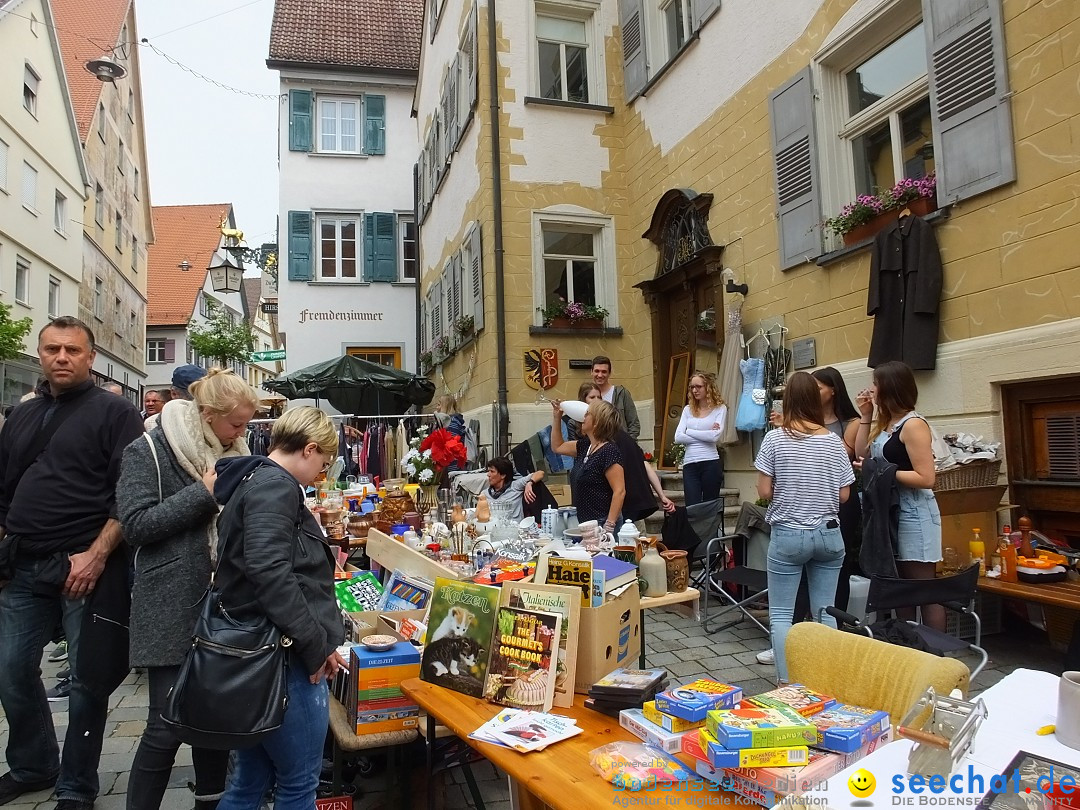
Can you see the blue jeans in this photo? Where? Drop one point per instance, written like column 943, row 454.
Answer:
column 290, row 757
column 702, row 481
column 820, row 552
column 27, row 623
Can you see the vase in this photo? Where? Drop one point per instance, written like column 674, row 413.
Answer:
column 678, row 570
column 429, row 498
column 918, row 207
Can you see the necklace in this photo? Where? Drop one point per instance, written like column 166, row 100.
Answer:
column 589, row 452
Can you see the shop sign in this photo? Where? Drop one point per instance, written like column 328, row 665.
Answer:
column 269, row 307
column 311, row 315
column 541, row 368
column 262, row 357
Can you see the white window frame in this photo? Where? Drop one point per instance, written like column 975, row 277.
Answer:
column 338, row 217
column 403, row 221
column 60, row 213
column 338, row 99
column 31, row 88
column 30, row 188
column 585, row 11
column 53, row 309
column 118, row 320
column 22, row 280
column 670, row 48
column 99, row 298
column 568, row 217
column 155, row 350
column 844, row 49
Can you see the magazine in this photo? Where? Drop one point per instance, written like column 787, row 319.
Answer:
column 553, row 599
column 461, row 622
column 362, row 591
column 524, row 655
column 534, row 731
column 404, row 592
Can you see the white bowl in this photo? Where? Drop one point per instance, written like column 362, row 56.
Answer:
column 575, row 409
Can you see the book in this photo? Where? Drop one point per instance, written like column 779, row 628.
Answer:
column 802, row 699
column 404, row 592
column 361, row 591
column 844, row 728
column 524, row 655
column 503, row 569
column 616, row 572
column 625, row 683
column 695, row 700
column 565, row 571
column 757, row 727
column 634, row 721
column 533, row 731
column 597, row 593
column 461, row 621
column 553, row 599
column 704, row 746
column 669, row 722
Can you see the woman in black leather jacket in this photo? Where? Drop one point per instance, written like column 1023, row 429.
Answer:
column 275, row 562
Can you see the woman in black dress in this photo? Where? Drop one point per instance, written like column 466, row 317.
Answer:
column 601, row 486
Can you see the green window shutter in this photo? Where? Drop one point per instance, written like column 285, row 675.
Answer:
column 300, row 102
column 385, row 238
column 635, row 64
column 300, row 246
column 374, row 124
column 369, row 247
column 475, row 273
column 798, row 190
column 969, row 97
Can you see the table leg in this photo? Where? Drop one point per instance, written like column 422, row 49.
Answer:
column 470, row 780
column 337, row 784
column 429, row 746
column 641, row 658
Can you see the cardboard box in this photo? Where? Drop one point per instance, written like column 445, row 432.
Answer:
column 610, row 637
column 634, row 721
column 368, row 622
column 561, row 493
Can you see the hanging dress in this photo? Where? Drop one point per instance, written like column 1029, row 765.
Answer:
column 730, row 378
column 751, row 413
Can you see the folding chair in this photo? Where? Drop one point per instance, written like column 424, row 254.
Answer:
column 955, row 593
column 752, row 583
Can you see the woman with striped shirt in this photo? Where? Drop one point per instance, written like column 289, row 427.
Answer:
column 805, row 473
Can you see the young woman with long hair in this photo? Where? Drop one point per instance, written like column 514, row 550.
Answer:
column 805, row 473
column 898, row 434
column 700, row 427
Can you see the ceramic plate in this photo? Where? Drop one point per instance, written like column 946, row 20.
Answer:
column 378, row 643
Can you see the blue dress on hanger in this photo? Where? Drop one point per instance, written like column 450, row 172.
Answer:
column 751, row 414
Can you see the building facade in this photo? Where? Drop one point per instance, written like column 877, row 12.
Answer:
column 346, row 151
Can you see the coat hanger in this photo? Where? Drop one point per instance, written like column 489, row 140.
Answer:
column 760, row 334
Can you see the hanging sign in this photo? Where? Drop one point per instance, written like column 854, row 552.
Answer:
column 541, row 368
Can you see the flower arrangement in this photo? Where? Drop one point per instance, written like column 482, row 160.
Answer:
column 574, row 311
column 706, row 321
column 431, row 453
column 464, row 325
column 440, row 349
column 868, row 206
column 426, row 360
column 676, row 453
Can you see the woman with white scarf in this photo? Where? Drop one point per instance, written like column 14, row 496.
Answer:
column 167, row 510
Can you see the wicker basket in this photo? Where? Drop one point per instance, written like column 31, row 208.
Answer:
column 965, row 476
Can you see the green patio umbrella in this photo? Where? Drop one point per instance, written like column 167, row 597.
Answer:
column 356, row 386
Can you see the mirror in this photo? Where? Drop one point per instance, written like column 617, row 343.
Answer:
column 674, row 400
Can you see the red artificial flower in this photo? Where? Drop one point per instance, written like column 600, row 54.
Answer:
column 648, row 456
column 445, row 447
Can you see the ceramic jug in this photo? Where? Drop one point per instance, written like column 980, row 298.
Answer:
column 1068, row 711
column 653, row 570
column 678, row 570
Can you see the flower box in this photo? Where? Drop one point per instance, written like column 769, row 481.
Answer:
column 918, row 207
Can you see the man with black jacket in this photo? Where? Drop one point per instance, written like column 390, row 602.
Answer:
column 60, row 546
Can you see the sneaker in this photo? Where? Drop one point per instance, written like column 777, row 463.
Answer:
column 63, row 674
column 766, row 657
column 11, row 789
column 59, row 692
column 73, row 804
column 59, row 653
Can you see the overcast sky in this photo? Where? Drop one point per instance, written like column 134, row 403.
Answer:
column 207, row 144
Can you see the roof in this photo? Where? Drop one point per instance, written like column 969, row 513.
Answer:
column 373, row 34
column 87, row 29
column 183, row 232
column 252, row 294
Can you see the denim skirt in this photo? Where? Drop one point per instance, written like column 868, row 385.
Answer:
column 919, row 533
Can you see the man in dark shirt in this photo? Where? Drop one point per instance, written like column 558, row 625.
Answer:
column 59, row 462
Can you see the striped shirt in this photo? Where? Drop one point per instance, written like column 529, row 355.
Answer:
column 808, row 473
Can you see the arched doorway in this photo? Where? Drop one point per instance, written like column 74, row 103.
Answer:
column 686, row 301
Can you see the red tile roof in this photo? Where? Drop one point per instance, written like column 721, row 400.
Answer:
column 184, row 232
column 350, row 33
column 87, row 29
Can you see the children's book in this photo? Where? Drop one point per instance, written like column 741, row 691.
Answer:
column 844, row 728
column 404, row 592
column 802, row 699
column 756, row 727
column 576, row 573
column 461, row 621
column 362, row 591
column 532, row 731
column 553, row 599
column 524, row 657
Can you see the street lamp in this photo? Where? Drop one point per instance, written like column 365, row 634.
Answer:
column 224, row 275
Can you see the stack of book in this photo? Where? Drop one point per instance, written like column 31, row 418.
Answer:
column 664, row 722
column 625, row 689
column 526, row 731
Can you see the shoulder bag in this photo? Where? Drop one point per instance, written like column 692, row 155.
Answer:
column 231, row 691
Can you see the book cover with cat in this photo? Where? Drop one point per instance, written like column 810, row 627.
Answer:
column 566, row 602
column 460, row 625
column 524, row 656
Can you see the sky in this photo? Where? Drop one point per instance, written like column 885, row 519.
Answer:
column 207, row 144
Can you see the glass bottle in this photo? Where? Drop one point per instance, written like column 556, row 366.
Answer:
column 1007, row 555
column 978, row 550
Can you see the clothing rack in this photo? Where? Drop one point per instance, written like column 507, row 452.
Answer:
column 357, row 416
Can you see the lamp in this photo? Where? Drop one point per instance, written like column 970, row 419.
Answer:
column 106, row 69
column 224, row 275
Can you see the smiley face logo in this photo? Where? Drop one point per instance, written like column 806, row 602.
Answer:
column 862, row 783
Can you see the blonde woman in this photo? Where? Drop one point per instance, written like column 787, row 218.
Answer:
column 601, row 483
column 700, row 427
column 173, row 530
column 275, row 563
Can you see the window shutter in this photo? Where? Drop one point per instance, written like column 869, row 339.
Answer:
column 472, row 54
column 448, row 299
column 300, row 246
column 170, row 350
column 458, row 282
column 374, row 124
column 452, row 117
column 703, row 10
column 969, row 104
column 423, row 325
column 385, row 247
column 635, row 63
column 1063, row 446
column 300, row 102
column 476, row 279
column 795, row 158
column 437, row 311
column 369, row 247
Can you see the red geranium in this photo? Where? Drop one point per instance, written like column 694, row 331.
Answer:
column 445, row 447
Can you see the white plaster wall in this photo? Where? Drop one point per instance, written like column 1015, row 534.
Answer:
column 735, row 45
column 444, row 225
column 159, row 375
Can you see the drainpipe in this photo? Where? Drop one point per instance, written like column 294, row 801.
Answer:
column 500, row 283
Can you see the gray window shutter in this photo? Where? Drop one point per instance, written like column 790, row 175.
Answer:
column 437, row 303
column 300, row 246
column 472, row 54
column 448, row 299
column 300, row 102
column 170, row 350
column 456, row 272
column 424, row 343
column 453, row 116
column 374, row 124
column 798, row 189
column 476, row 279
column 385, row 239
column 703, row 9
column 969, row 105
column 635, row 63
column 369, row 247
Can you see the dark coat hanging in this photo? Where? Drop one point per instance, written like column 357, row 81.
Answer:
column 905, row 294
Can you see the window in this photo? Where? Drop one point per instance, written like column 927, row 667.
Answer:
column 119, row 234
column 99, row 299
column 120, row 155
column 60, row 213
column 390, row 356
column 29, row 188
column 118, row 320
column 134, row 253
column 133, row 327
column 574, row 260
column 54, row 297
column 677, row 18
column 22, row 280
column 30, row 90
column 338, row 119
column 205, row 308
column 131, row 106
column 135, row 182
column 155, row 350
column 99, row 205
column 101, row 122
column 3, row 165
column 338, row 237
column 407, row 235
column 562, row 54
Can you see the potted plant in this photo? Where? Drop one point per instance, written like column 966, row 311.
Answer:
column 562, row 314
column 440, row 349
column 463, row 326
column 426, row 362
column 869, row 213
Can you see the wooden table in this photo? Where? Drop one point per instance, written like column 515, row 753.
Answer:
column 689, row 600
column 1059, row 594
column 395, row 556
column 559, row 776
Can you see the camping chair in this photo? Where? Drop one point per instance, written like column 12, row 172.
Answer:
column 704, row 521
column 751, row 583
column 955, row 593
